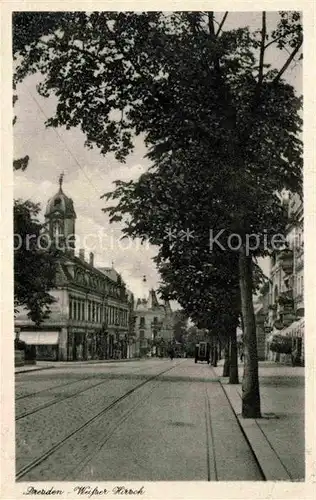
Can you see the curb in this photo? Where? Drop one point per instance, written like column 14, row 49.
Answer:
column 34, row 370
column 268, row 461
column 77, row 364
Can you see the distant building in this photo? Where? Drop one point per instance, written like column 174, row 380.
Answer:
column 286, row 294
column 92, row 314
column 261, row 311
column 153, row 322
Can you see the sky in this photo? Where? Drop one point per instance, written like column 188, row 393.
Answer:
column 88, row 174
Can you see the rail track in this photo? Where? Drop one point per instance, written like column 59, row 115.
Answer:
column 210, row 456
column 40, row 459
column 31, row 394
column 65, row 398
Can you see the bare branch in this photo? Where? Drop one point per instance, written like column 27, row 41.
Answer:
column 211, row 24
column 288, row 62
column 275, row 40
column 262, row 49
column 221, row 24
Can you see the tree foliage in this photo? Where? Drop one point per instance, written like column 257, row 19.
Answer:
column 34, row 269
column 222, row 129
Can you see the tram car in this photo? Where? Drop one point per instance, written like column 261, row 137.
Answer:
column 202, row 352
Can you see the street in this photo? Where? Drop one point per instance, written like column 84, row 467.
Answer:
column 150, row 420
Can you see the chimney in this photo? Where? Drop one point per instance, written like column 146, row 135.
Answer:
column 91, row 259
column 81, row 253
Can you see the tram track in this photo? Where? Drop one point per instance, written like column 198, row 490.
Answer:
column 65, row 398
column 210, row 457
column 42, row 458
column 24, row 396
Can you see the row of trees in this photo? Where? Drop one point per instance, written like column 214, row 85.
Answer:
column 222, row 130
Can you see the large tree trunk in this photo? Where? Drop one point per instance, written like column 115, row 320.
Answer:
column 226, row 368
column 250, row 383
column 233, row 373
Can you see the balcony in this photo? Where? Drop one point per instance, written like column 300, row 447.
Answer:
column 299, row 250
column 285, row 259
column 299, row 304
column 299, row 264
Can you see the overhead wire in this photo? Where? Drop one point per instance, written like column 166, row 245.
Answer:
column 62, row 140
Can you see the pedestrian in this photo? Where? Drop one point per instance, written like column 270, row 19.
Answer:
column 241, row 355
column 171, row 353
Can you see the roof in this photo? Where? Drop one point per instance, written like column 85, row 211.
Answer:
column 60, row 203
column 151, row 303
column 109, row 272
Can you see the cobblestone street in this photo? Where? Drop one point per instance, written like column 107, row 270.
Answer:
column 153, row 420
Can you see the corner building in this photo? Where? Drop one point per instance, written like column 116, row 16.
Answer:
column 90, row 317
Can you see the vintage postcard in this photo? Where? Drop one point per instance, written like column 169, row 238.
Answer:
column 158, row 201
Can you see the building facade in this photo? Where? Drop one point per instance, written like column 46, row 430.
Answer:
column 261, row 312
column 91, row 315
column 153, row 324
column 286, row 294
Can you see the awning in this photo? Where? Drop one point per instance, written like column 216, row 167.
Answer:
column 296, row 329
column 39, row 338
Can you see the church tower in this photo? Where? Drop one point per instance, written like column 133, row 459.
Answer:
column 60, row 218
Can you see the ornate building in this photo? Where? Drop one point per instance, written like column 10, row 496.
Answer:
column 91, row 315
column 286, row 294
column 153, row 323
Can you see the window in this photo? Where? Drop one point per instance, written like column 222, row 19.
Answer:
column 70, row 307
column 89, row 310
column 142, row 322
column 141, row 334
column 57, row 202
column 75, row 309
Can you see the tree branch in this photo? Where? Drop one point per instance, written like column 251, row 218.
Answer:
column 211, row 24
column 288, row 62
column 221, row 24
column 262, row 49
column 273, row 41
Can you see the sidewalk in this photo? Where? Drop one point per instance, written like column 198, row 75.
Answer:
column 277, row 439
column 46, row 365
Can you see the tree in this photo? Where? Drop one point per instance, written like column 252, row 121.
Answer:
column 208, row 106
column 34, row 269
column 180, row 320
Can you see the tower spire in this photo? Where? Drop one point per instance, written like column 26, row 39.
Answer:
column 60, row 180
